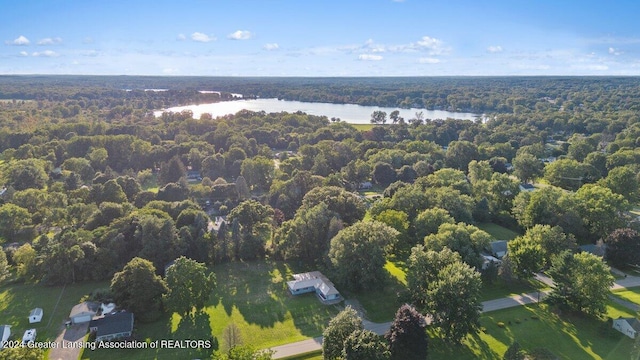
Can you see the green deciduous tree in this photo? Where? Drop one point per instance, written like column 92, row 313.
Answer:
column 602, row 210
column 347, row 205
column 12, row 219
column 189, row 286
column 581, row 281
column 527, row 167
column 357, row 254
column 460, row 153
column 365, row 345
column 526, row 256
column 340, row 327
column 138, row 289
column 466, row 240
column 258, row 172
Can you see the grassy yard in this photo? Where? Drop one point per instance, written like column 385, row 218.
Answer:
column 567, row 336
column 254, row 297
column 632, row 295
column 17, row 300
column 497, row 231
column 362, row 127
column 499, row 288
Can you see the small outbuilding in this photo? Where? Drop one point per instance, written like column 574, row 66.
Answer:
column 498, row 248
column 315, row 281
column 29, row 336
column 5, row 332
column 83, row 312
column 628, row 326
column 35, row 316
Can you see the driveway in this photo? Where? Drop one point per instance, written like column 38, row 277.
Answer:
column 74, row 333
column 314, row 344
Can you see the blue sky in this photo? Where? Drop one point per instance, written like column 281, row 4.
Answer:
column 320, row 37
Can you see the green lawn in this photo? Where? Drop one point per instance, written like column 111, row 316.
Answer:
column 17, row 300
column 254, row 297
column 362, row 127
column 500, row 288
column 632, row 295
column 497, row 231
column 567, row 336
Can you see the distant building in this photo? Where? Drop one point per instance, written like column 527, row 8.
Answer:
column 112, row 327
column 35, row 316
column 526, row 187
column 595, row 249
column 316, row 282
column 498, row 248
column 627, row 326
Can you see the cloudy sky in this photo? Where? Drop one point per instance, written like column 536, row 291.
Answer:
column 320, row 37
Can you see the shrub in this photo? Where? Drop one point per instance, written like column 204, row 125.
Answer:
column 501, row 324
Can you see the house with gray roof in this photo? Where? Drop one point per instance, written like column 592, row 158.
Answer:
column 314, row 281
column 112, row 327
column 628, row 326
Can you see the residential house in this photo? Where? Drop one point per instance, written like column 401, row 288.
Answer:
column 498, row 248
column 29, row 336
column 526, row 187
column 112, row 327
column 35, row 316
column 83, row 312
column 627, row 326
column 316, row 282
column 5, row 332
column 595, row 249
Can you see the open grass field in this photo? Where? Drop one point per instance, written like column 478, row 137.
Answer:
column 497, row 231
column 254, row 297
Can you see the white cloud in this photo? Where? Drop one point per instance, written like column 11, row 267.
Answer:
column 271, row 46
column 170, row 71
column 24, row 53
column 50, row 41
column 428, row 61
column 432, row 45
column 495, row 49
column 200, row 37
column 369, row 57
column 91, row 53
column 181, row 37
column 46, row 53
column 240, row 35
column 87, row 40
column 20, row 40
column 614, row 51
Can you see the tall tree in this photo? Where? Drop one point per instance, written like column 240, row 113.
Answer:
column 12, row 219
column 623, row 248
column 602, row 210
column 526, row 255
column 138, row 289
column 460, row 153
column 189, row 286
column 447, row 289
column 357, row 254
column 340, row 327
column 581, row 281
column 527, row 167
column 466, row 240
column 172, row 171
column 365, row 345
column 347, row 205
column 258, row 172
column 407, row 337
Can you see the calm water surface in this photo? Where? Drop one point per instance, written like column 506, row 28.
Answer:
column 354, row 114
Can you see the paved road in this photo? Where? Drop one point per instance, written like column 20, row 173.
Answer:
column 315, row 344
column 74, row 333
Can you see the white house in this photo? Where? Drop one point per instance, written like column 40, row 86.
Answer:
column 5, row 332
column 35, row 316
column 627, row 326
column 314, row 281
column 83, row 312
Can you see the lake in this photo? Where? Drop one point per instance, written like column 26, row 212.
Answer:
column 353, row 114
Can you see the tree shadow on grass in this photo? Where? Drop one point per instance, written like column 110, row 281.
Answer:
column 196, row 326
column 248, row 287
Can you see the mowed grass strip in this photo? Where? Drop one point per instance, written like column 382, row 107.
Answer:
column 632, row 295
